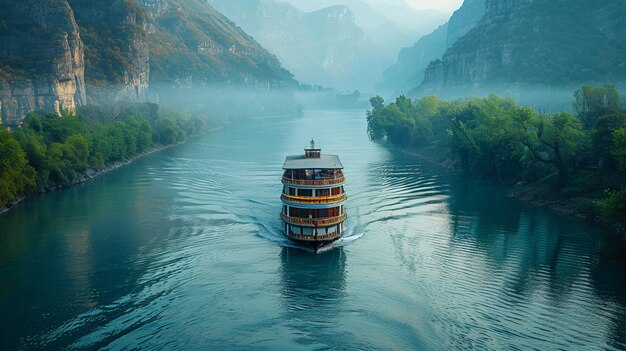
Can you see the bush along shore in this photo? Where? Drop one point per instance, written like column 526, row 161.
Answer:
column 575, row 163
column 49, row 152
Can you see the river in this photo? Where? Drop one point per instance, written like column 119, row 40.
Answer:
column 183, row 250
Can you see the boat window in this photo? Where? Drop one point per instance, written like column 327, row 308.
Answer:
column 333, row 212
column 336, row 191
column 305, row 192
column 323, row 192
column 292, row 191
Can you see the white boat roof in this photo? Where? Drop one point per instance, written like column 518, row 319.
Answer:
column 323, row 162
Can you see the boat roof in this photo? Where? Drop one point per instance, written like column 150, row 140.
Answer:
column 323, row 162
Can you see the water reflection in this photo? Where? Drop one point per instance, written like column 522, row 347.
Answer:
column 312, row 281
column 69, row 252
column 313, row 286
column 523, row 241
column 504, row 272
column 608, row 269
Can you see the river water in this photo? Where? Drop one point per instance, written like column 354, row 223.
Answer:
column 182, row 250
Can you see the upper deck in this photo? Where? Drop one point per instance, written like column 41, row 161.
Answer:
column 321, row 162
column 312, row 159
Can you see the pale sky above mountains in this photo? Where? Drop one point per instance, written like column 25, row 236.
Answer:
column 447, row 6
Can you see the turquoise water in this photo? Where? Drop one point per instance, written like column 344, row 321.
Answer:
column 182, row 250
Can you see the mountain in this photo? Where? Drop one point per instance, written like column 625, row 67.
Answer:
column 412, row 61
column 371, row 15
column 116, row 49
column 41, row 58
column 192, row 44
column 391, row 24
column 59, row 54
column 464, row 19
column 540, row 43
column 323, row 47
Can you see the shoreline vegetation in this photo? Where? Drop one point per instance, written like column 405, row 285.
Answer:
column 50, row 152
column 572, row 163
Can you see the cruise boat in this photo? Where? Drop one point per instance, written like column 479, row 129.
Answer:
column 313, row 198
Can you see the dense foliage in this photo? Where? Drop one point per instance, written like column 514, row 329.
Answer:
column 495, row 138
column 51, row 151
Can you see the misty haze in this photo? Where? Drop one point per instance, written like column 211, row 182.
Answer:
column 312, row 175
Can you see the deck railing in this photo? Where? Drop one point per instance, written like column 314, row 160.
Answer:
column 314, row 222
column 314, row 200
column 315, row 238
column 319, row 182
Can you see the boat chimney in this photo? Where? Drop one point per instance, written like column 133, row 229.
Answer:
column 312, row 151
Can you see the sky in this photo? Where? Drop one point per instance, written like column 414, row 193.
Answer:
column 447, row 6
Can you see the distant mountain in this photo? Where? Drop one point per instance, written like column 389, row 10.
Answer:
column 408, row 71
column 391, row 24
column 412, row 61
column 372, row 14
column 323, row 47
column 526, row 43
column 60, row 54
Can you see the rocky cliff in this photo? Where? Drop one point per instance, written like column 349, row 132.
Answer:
column 536, row 43
column 59, row 54
column 116, row 49
column 323, row 47
column 412, row 61
column 41, row 58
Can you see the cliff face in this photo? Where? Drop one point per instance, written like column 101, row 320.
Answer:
column 324, row 47
column 409, row 70
column 116, row 49
column 41, row 58
column 536, row 42
column 464, row 19
column 58, row 54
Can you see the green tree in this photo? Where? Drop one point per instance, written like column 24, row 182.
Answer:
column 16, row 176
column 592, row 102
column 34, row 146
column 613, row 206
column 602, row 137
column 619, row 151
column 167, row 132
column 552, row 139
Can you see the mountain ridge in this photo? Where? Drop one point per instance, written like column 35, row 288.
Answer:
column 323, row 47
column 61, row 54
column 408, row 71
column 560, row 49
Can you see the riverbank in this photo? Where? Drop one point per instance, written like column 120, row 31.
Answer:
column 94, row 173
column 578, row 199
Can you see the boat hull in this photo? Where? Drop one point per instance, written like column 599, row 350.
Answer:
column 314, row 244
column 316, row 237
